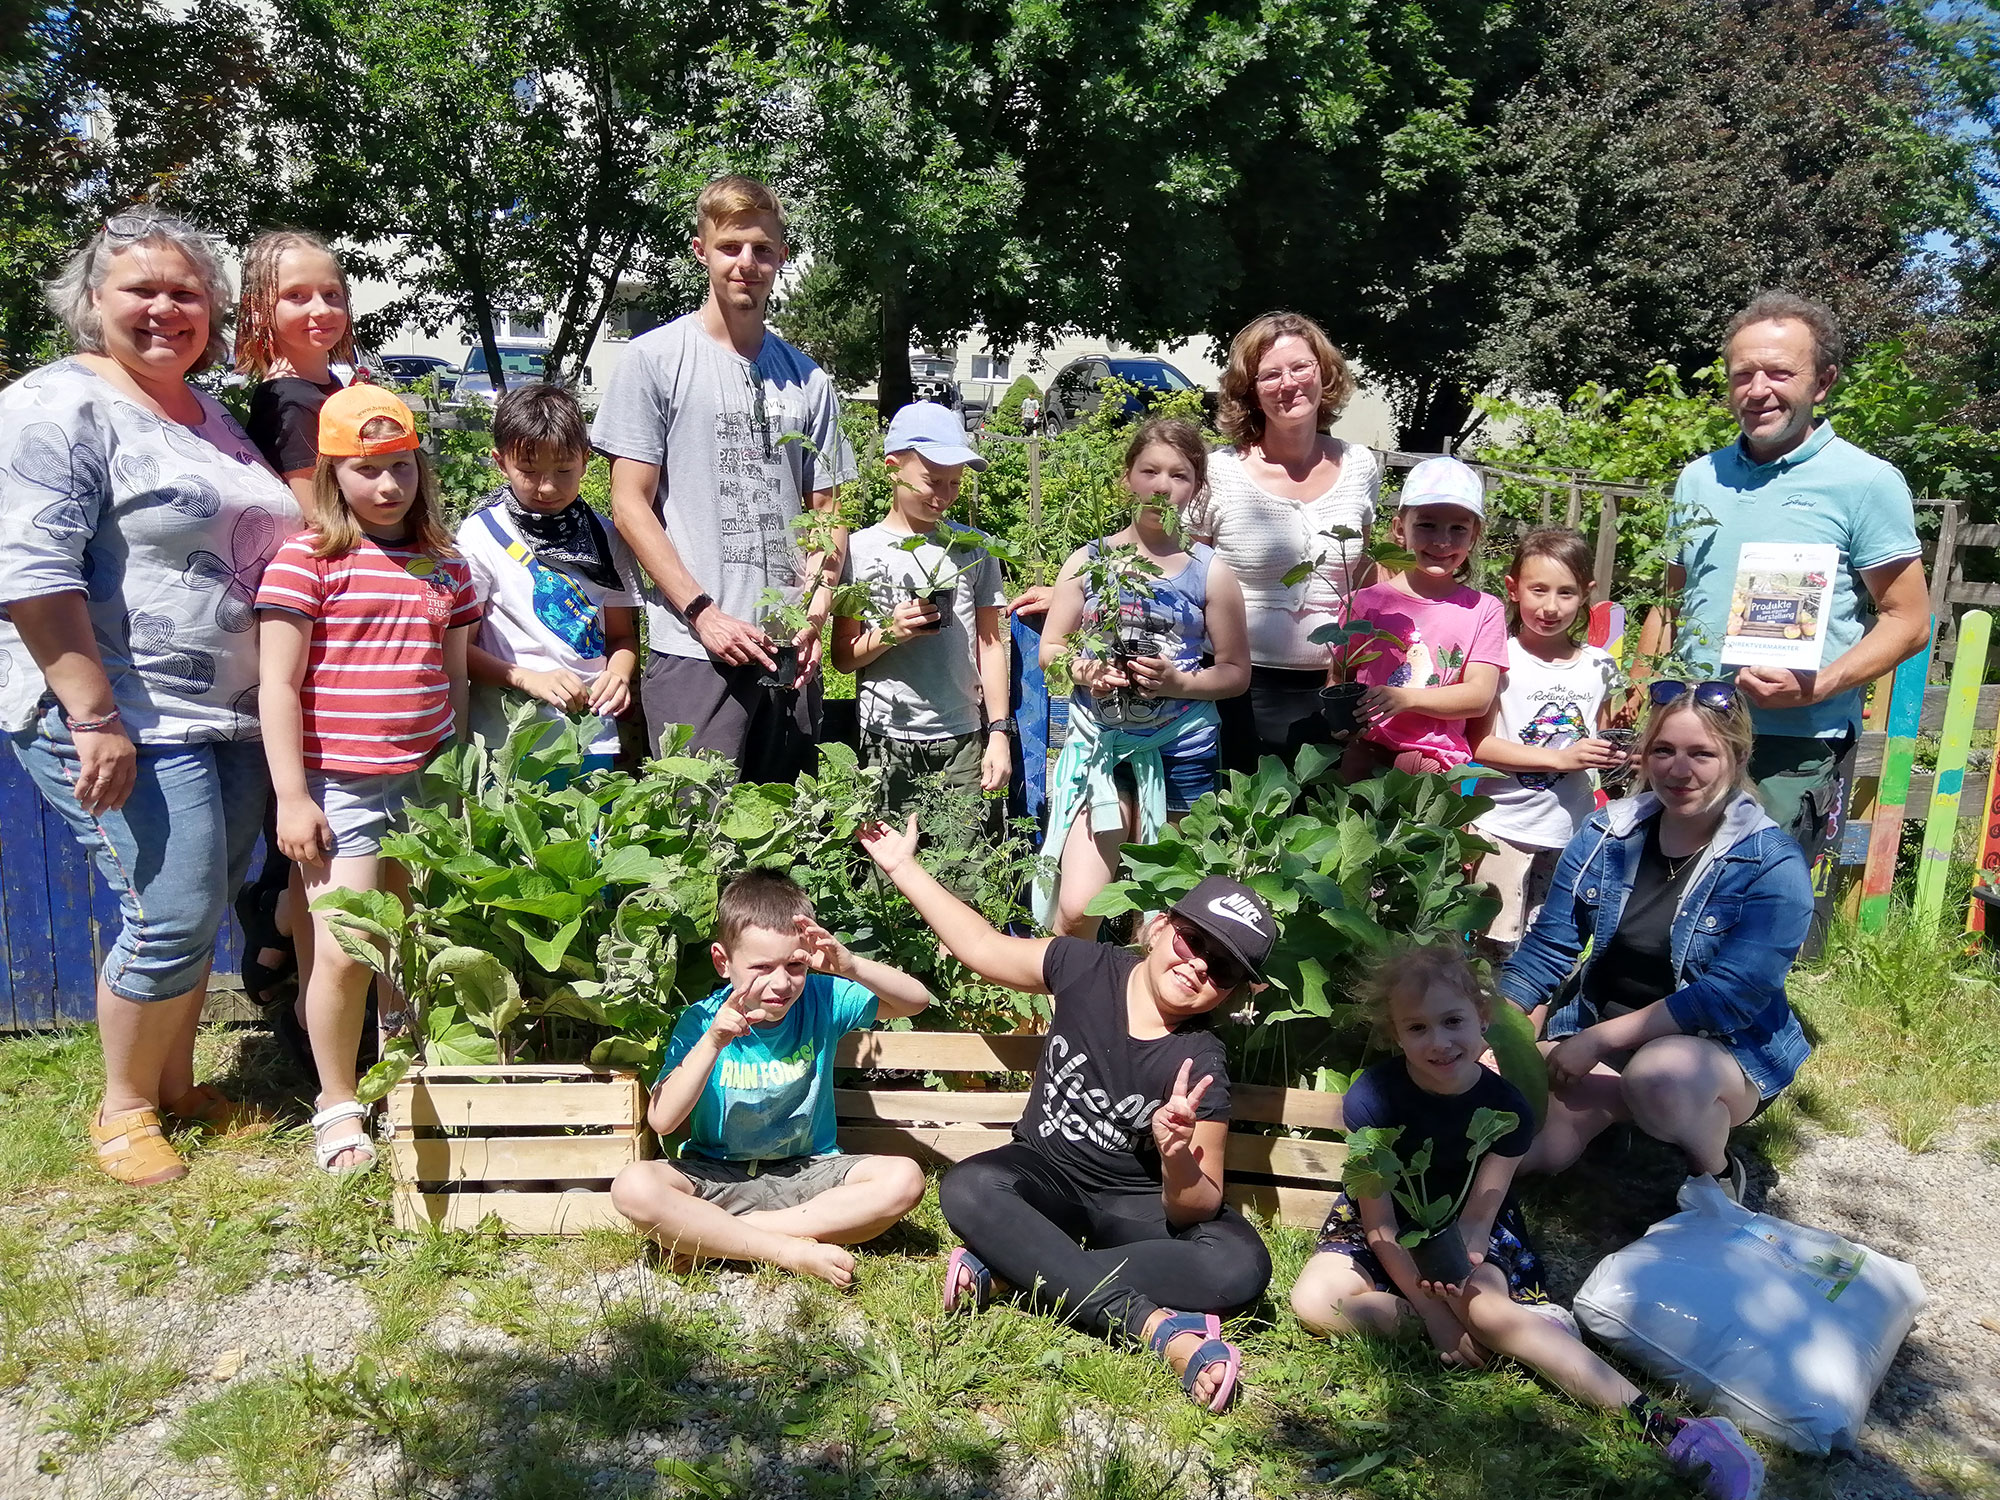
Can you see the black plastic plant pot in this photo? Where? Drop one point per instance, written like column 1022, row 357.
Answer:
column 1340, row 706
column 940, row 601
column 785, row 672
column 1442, row 1257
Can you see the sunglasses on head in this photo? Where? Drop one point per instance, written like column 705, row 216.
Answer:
column 1190, row 942
column 133, row 226
column 1717, row 694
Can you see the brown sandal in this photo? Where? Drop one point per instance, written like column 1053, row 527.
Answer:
column 134, row 1150
column 206, row 1105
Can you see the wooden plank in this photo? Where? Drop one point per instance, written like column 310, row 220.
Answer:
column 1607, row 547
column 24, row 889
column 1282, row 1156
column 70, row 877
column 1988, row 859
column 938, row 1051
column 1886, row 837
column 926, row 1143
column 1945, row 566
column 1979, row 536
column 1941, row 820
column 522, row 1072
column 1279, row 1202
column 419, row 1103
column 534, row 1158
column 518, row 1213
column 1302, row 1109
column 1980, row 595
column 928, row 1106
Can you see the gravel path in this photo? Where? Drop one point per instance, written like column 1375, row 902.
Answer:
column 1934, row 1429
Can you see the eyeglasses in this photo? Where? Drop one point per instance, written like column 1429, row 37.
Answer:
column 1300, row 372
column 759, row 412
column 1718, row 694
column 1191, row 943
column 138, row 226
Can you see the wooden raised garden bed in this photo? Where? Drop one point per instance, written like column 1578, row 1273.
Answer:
column 534, row 1146
column 1286, row 1179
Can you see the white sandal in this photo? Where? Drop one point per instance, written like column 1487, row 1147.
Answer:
column 325, row 1151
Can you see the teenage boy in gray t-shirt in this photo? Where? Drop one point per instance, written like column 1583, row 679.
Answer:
column 931, row 672
column 720, row 434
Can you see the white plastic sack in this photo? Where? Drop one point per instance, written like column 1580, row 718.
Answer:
column 1785, row 1329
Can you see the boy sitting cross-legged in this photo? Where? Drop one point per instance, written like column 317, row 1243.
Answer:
column 760, row 1177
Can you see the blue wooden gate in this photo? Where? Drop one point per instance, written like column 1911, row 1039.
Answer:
column 56, row 915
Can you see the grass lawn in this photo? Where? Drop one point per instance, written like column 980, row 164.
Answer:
column 258, row 1329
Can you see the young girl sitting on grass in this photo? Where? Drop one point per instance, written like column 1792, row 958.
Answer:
column 1144, row 737
column 1364, row 1281
column 1543, row 727
column 363, row 627
column 1454, row 639
column 1107, row 1207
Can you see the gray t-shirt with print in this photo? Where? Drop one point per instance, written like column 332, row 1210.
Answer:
column 164, row 528
column 741, row 444
column 927, row 688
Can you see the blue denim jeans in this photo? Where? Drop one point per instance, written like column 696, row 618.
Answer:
column 173, row 853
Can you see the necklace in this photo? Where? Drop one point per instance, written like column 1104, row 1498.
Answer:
column 1674, row 867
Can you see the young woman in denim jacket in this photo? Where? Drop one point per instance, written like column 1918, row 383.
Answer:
column 1693, row 904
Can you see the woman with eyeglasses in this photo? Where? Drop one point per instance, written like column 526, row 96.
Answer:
column 1106, row 1206
column 1693, row 905
column 1285, row 501
column 135, row 521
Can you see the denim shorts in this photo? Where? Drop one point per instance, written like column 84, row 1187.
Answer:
column 1188, row 778
column 173, row 854
column 360, row 808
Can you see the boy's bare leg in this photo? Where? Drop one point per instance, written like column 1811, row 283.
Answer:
column 663, row 1203
column 877, row 1192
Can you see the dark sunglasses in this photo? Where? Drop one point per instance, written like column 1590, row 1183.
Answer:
column 1190, row 942
column 1718, row 694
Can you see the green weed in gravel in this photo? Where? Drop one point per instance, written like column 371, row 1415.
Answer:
column 94, row 1402
column 269, row 1434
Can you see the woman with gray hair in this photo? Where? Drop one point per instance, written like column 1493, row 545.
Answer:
column 135, row 522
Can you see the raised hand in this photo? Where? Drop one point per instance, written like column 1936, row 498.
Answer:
column 821, row 950
column 1174, row 1121
column 890, row 848
column 743, row 1009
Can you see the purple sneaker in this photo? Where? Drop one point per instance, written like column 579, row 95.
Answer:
column 1712, row 1446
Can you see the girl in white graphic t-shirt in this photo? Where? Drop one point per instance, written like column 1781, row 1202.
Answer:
column 1543, row 727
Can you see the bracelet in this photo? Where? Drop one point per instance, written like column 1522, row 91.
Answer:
column 93, row 726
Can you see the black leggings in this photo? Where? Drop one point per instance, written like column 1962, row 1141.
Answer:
column 1280, row 715
column 1031, row 1225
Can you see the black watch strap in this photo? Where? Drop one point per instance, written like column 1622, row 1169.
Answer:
column 1000, row 726
column 695, row 606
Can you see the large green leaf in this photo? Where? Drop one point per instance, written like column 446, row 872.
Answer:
column 549, row 952
column 1511, row 1035
column 451, row 1041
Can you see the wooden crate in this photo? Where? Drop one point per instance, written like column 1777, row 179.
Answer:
column 1287, row 1179
column 457, row 1134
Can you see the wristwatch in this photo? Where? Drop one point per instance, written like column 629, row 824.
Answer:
column 1000, row 726
column 694, row 608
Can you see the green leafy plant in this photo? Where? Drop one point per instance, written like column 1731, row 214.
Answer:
column 1108, row 578
column 1348, row 871
column 1373, row 1169
column 1351, row 643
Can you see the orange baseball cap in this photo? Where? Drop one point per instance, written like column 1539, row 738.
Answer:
column 349, row 410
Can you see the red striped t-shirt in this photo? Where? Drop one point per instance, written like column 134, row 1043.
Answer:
column 375, row 700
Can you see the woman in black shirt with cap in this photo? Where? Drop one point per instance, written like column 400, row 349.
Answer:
column 1107, row 1204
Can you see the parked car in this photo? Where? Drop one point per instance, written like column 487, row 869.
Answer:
column 408, row 369
column 523, row 363
column 1075, row 393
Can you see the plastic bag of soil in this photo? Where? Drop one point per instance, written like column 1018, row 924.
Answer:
column 1786, row 1329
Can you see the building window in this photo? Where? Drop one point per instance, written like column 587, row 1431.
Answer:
column 990, row 367
column 527, row 325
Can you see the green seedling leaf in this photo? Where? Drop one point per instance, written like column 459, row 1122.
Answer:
column 550, row 952
column 451, row 1041
column 398, row 1057
column 1511, row 1035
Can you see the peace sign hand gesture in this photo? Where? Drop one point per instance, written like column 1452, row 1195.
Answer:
column 1174, row 1121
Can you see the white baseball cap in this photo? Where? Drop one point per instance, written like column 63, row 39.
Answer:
column 1444, row 481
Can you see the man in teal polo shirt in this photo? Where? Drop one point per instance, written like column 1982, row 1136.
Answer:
column 1789, row 479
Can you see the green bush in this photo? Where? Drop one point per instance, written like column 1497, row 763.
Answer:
column 1005, row 416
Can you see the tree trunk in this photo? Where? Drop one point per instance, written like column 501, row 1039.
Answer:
column 894, row 389
column 1440, row 409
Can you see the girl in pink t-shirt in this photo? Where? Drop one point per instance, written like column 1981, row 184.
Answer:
column 1453, row 638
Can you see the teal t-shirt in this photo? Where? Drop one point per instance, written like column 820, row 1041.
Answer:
column 770, row 1093
column 1825, row 490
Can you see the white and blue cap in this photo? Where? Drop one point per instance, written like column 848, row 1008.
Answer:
column 1444, row 481
column 937, row 432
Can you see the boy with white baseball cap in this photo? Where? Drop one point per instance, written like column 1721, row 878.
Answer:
column 931, row 660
